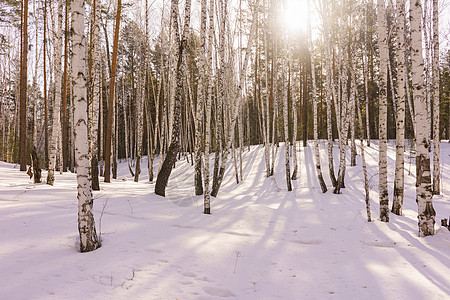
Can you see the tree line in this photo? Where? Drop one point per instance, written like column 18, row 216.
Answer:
column 109, row 83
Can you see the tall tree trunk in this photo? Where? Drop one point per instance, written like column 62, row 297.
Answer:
column 86, row 224
column 436, row 111
column 284, row 96
column 23, row 89
column 139, row 125
column 64, row 124
column 424, row 189
column 169, row 161
column 200, row 103
column 209, row 83
column 400, row 124
column 94, row 52
column 329, row 96
column 323, row 186
column 363, row 158
column 384, row 55
column 34, row 156
column 45, row 86
column 238, row 96
column 112, row 83
column 57, row 97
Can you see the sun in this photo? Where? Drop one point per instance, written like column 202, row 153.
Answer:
column 296, row 15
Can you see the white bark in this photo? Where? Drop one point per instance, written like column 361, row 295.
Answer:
column 86, row 224
column 284, row 96
column 436, row 112
column 424, row 195
column 209, row 97
column 200, row 102
column 400, row 120
column 314, row 100
column 384, row 55
column 56, row 128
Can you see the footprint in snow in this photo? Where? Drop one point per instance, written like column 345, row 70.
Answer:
column 308, row 242
column 189, row 274
column 219, row 292
column 381, row 244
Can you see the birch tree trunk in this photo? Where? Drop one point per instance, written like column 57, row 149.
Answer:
column 238, row 96
column 95, row 66
column 323, row 186
column 45, row 85
column 57, row 104
column 382, row 42
column 209, row 96
column 86, row 224
column 344, row 119
column 424, row 189
column 64, row 122
column 139, row 121
column 200, row 102
column 286, row 122
column 329, row 95
column 400, row 124
column 110, row 111
column 169, row 161
column 436, row 111
column 363, row 158
column 23, row 88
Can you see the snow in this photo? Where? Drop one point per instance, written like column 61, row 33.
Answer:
column 260, row 242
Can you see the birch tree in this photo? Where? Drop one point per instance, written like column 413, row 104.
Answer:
column 436, row 110
column 209, row 97
column 200, row 102
column 181, row 41
column 384, row 55
column 400, row 120
column 314, row 100
column 424, row 189
column 57, row 96
column 86, row 224
column 110, row 112
column 23, row 87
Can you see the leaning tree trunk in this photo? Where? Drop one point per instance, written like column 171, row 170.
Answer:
column 382, row 42
column 238, row 96
column 399, row 178
column 86, row 224
column 110, row 106
column 424, row 189
column 363, row 158
column 171, row 156
column 436, row 112
column 57, row 104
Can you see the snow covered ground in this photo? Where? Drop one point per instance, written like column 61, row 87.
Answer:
column 260, row 242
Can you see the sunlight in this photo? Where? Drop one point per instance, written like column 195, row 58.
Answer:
column 296, row 15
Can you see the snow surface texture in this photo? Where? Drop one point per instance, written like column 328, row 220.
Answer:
column 260, row 242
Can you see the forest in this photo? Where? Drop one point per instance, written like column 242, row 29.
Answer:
column 87, row 84
column 256, row 149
